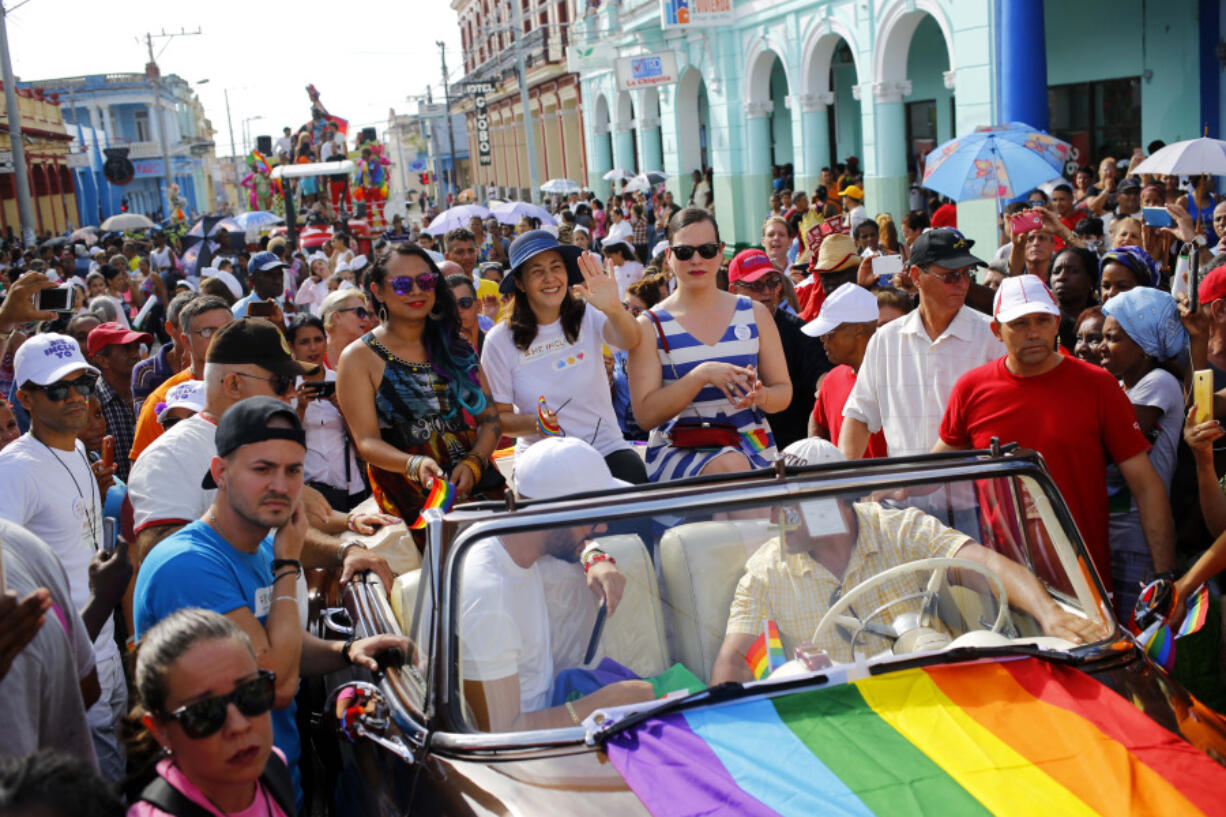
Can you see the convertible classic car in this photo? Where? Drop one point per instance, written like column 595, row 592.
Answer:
column 960, row 657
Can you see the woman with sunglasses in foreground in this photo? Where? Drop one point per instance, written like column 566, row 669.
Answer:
column 708, row 368
column 207, row 702
column 564, row 309
column 410, row 390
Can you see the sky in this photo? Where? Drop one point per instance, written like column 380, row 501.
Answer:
column 364, row 58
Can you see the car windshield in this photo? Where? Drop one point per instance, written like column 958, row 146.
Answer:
column 753, row 589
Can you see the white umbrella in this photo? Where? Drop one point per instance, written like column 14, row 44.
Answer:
column 562, row 187
column 256, row 220
column 512, row 211
column 618, row 175
column 127, row 221
column 638, row 183
column 1189, row 158
column 655, row 176
column 459, row 216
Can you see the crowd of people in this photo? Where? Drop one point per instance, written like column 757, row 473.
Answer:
column 170, row 465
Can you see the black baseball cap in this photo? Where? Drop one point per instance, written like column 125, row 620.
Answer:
column 945, row 247
column 246, row 422
column 256, row 341
column 1127, row 184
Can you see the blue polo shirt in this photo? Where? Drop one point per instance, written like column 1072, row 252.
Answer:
column 195, row 567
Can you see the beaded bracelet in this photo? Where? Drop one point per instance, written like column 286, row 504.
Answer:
column 594, row 556
column 476, row 469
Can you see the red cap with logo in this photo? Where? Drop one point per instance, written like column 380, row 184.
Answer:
column 749, row 266
column 111, row 334
column 1213, row 285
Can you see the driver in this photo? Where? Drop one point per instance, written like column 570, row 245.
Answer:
column 509, row 638
column 795, row 578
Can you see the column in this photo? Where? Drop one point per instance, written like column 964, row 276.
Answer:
column 599, row 161
column 623, row 146
column 754, row 199
column 813, row 138
column 886, row 188
column 1023, row 63
column 651, row 148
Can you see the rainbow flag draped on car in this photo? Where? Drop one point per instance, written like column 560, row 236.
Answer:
column 1015, row 737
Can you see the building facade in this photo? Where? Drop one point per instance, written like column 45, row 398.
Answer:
column 419, row 144
column 810, row 83
column 47, row 147
column 555, row 103
column 121, row 110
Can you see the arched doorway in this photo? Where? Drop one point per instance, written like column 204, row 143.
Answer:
column 830, row 111
column 693, row 122
column 931, row 119
column 625, row 140
column 602, row 143
column 768, row 135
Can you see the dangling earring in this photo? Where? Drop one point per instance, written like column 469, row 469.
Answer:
column 382, row 310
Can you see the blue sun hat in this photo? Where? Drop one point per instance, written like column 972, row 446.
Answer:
column 533, row 243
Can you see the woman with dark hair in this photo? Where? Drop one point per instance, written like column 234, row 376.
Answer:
column 1074, row 278
column 331, row 466
column 706, row 356
column 207, row 703
column 1124, row 268
column 466, row 302
column 408, row 389
column 1089, row 343
column 564, row 309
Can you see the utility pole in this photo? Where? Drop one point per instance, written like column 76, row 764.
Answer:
column 533, row 180
column 233, row 155
column 153, row 72
column 25, row 205
column 442, row 52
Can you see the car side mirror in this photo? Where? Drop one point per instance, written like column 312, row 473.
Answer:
column 358, row 710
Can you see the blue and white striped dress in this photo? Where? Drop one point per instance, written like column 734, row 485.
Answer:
column 738, row 346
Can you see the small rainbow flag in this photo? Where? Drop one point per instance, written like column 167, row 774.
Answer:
column 442, row 495
column 1159, row 644
column 549, row 428
column 1012, row 738
column 757, row 439
column 765, row 655
column 1197, row 613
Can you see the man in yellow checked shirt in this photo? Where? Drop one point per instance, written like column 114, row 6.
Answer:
column 794, row 579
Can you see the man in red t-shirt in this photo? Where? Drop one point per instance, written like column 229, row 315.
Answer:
column 847, row 320
column 1074, row 414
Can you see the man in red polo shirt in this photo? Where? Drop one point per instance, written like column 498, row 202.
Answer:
column 1074, row 414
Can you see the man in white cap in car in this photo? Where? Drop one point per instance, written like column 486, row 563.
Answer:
column 505, row 625
column 1073, row 413
column 848, row 319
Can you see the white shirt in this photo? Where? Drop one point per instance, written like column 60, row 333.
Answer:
column 53, row 494
column 504, row 623
column 325, row 443
column 164, row 485
column 857, row 215
column 571, row 378
column 285, row 145
column 160, row 259
column 627, row 274
column 905, row 381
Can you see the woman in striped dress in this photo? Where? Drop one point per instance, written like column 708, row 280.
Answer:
column 724, row 362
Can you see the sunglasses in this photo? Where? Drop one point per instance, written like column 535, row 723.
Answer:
column 361, row 311
column 204, row 717
column 58, row 392
column 403, row 284
column 281, row 383
column 952, row 276
column 762, row 285
column 465, row 302
column 685, row 252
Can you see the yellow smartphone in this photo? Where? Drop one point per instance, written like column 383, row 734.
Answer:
column 1202, row 395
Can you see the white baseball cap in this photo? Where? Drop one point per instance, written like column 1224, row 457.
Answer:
column 815, row 451
column 48, row 358
column 226, row 278
column 850, row 303
column 188, row 395
column 559, row 466
column 358, row 263
column 1021, row 295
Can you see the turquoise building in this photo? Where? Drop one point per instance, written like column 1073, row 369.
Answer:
column 810, row 83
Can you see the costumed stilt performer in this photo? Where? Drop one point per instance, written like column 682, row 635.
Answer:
column 372, row 184
column 338, row 184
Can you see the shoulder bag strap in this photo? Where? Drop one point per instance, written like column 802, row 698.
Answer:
column 161, row 795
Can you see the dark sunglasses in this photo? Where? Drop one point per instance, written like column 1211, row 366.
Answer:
column 403, row 285
column 361, row 311
column 761, row 285
column 204, row 717
column 281, row 383
column 465, row 302
column 685, row 252
column 633, row 310
column 58, row 392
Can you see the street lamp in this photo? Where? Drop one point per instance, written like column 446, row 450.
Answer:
column 247, row 132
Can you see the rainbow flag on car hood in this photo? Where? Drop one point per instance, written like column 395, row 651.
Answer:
column 1018, row 737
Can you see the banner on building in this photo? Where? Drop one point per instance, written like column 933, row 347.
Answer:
column 478, row 91
column 583, row 59
column 646, row 70
column 695, row 13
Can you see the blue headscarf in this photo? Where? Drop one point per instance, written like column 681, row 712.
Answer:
column 1136, row 259
column 1151, row 319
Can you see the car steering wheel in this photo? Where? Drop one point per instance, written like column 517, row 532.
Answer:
column 940, row 566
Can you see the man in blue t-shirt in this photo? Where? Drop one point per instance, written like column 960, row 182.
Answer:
column 242, row 559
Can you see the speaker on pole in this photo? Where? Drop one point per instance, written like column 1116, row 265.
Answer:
column 118, row 167
column 264, row 145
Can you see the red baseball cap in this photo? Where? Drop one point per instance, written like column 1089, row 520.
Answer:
column 749, row 266
column 1213, row 285
column 110, row 334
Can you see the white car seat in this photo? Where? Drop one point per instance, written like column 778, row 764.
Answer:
column 700, row 565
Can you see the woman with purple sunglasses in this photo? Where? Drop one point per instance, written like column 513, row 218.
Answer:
column 412, row 392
